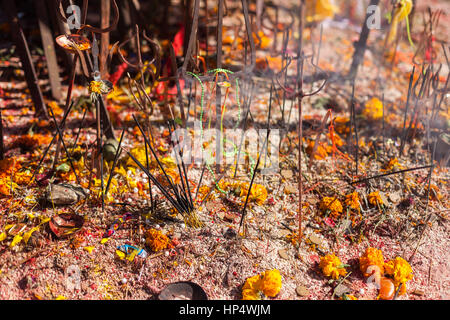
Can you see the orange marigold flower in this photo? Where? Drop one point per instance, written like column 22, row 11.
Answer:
column 331, row 266
column 258, row 193
column 332, row 204
column 271, row 283
column 267, row 283
column 352, row 200
column 401, row 272
column 252, row 288
column 373, row 109
column 156, row 240
column 375, row 198
column 372, row 256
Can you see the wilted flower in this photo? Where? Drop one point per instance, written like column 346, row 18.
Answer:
column 375, row 198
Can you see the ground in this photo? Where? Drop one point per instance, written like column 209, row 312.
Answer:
column 410, row 220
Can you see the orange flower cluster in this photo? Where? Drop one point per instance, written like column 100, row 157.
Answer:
column 372, row 257
column 375, row 198
column 331, row 266
column 332, row 204
column 156, row 240
column 401, row 272
column 352, row 201
column 267, row 283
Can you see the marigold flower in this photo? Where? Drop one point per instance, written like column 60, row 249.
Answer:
column 352, row 200
column 401, row 272
column 331, row 266
column 392, row 164
column 332, row 204
column 375, row 198
column 373, row 109
column 139, row 154
column 321, row 152
column 318, row 10
column 271, row 283
column 372, row 256
column 95, row 87
column 258, row 193
column 267, row 283
column 252, row 288
column 156, row 240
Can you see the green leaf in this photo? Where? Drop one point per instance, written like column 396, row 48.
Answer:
column 63, row 167
column 178, row 121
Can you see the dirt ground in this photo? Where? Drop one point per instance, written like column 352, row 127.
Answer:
column 220, row 256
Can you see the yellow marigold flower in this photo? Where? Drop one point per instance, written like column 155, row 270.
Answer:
column 331, row 266
column 321, row 151
column 375, row 198
column 392, row 164
column 350, row 297
column 332, row 204
column 252, row 288
column 271, row 282
column 341, row 125
column 352, row 200
column 139, row 154
column 156, row 240
column 372, row 256
column 373, row 109
column 267, row 283
column 401, row 272
column 318, row 10
column 258, row 193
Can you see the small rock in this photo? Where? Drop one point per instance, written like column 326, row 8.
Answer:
column 394, row 197
column 418, row 292
column 287, row 174
column 110, row 149
column 302, row 291
column 315, row 239
column 229, row 217
column 340, row 290
column 64, row 194
column 289, row 189
column 283, row 254
column 221, row 215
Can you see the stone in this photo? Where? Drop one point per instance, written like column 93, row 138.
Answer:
column 230, row 217
column 283, row 254
column 110, row 149
column 418, row 292
column 64, row 194
column 230, row 233
column 340, row 290
column 287, row 174
column 289, row 189
column 302, row 291
column 394, row 197
column 315, row 239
